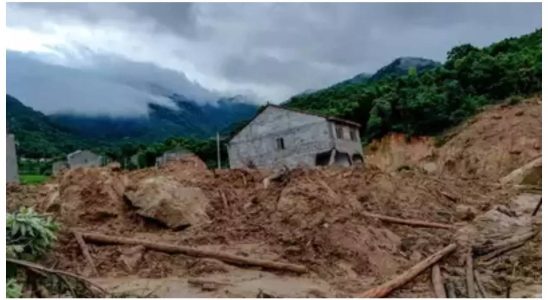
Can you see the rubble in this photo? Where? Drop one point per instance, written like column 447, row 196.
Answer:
column 339, row 223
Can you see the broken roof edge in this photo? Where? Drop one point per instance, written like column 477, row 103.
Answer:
column 260, row 110
column 334, row 119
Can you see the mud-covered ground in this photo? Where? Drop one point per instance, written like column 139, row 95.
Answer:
column 311, row 217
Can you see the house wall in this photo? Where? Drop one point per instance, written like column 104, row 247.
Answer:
column 170, row 156
column 346, row 144
column 84, row 159
column 12, row 171
column 304, row 136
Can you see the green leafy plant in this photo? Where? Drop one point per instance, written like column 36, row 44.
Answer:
column 28, row 234
column 13, row 289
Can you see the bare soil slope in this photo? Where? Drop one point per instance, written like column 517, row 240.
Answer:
column 490, row 145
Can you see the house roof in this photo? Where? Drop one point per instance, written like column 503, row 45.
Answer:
column 333, row 119
column 78, row 152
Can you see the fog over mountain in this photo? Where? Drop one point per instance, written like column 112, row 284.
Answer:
column 97, row 85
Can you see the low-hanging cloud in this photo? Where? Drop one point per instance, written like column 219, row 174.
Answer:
column 107, row 85
column 272, row 50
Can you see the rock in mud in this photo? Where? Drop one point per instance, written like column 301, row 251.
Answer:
column 131, row 257
column 169, row 202
column 465, row 212
column 529, row 174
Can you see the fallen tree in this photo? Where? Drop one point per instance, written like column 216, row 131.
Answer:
column 410, row 222
column 85, row 252
column 490, row 250
column 191, row 251
column 386, row 288
column 437, row 282
column 99, row 291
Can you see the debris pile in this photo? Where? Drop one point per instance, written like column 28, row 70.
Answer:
column 330, row 231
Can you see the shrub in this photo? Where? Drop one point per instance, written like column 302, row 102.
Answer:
column 28, row 234
column 13, row 289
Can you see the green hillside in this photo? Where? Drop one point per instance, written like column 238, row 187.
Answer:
column 36, row 135
column 431, row 101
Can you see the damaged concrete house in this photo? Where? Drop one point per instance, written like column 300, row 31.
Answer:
column 278, row 137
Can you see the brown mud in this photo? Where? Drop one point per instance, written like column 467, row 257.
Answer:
column 314, row 217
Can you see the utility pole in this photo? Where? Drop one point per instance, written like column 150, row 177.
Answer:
column 218, row 151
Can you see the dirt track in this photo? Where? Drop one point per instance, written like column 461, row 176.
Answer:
column 315, row 218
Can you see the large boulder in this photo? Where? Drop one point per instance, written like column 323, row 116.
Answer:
column 529, row 174
column 169, row 202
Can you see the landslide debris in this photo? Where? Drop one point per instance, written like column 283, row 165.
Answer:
column 169, row 202
column 313, row 217
column 488, row 146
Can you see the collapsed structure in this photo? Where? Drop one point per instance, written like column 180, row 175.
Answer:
column 278, row 136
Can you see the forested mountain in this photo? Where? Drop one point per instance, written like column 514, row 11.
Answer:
column 402, row 65
column 431, row 101
column 36, row 135
column 345, row 90
column 187, row 119
column 40, row 136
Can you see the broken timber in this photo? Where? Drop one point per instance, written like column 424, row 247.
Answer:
column 491, row 251
column 437, row 282
column 386, row 288
column 410, row 222
column 40, row 268
column 470, row 287
column 191, row 251
column 85, row 252
column 480, row 285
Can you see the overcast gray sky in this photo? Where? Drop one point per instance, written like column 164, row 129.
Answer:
column 203, row 50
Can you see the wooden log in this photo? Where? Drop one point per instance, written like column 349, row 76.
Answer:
column 411, row 222
column 386, row 288
column 451, row 290
column 223, row 197
column 37, row 267
column 481, row 289
column 537, row 207
column 470, row 287
column 517, row 239
column 437, row 282
column 85, row 252
column 505, row 246
column 191, row 251
column 202, row 281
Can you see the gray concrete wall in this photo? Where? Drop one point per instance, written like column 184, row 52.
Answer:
column 345, row 144
column 84, row 158
column 12, row 171
column 304, row 136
